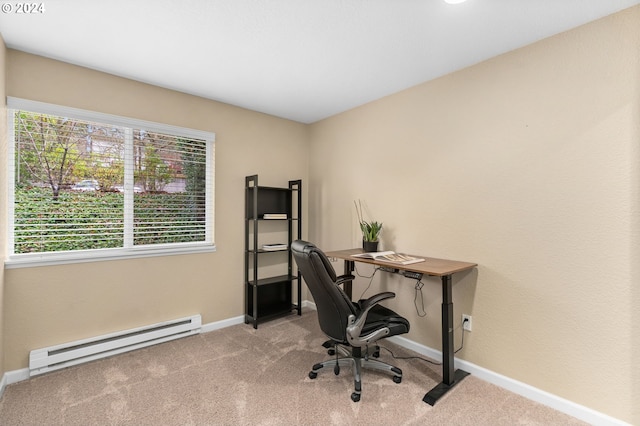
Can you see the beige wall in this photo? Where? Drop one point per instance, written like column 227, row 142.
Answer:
column 3, row 194
column 48, row 305
column 528, row 165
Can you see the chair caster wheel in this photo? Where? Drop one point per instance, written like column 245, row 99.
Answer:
column 331, row 352
column 313, row 374
column 397, row 379
column 355, row 397
column 336, row 370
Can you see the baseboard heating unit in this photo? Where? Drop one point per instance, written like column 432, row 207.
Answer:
column 73, row 353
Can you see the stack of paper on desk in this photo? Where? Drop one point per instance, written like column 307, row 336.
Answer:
column 390, row 256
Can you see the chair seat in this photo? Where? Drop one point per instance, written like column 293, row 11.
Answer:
column 379, row 317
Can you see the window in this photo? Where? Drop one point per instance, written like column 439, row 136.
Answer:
column 85, row 185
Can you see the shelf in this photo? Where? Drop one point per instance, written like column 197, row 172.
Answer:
column 273, row 311
column 269, row 297
column 269, row 200
column 274, row 280
column 273, row 298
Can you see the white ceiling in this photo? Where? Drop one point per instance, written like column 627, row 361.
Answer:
column 303, row 60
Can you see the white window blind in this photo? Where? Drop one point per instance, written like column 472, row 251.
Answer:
column 87, row 185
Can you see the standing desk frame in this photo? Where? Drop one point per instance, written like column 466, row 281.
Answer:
column 442, row 268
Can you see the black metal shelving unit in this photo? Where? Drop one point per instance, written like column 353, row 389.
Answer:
column 271, row 295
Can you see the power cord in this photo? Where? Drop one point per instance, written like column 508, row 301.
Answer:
column 355, row 268
column 463, row 330
column 418, row 291
column 370, row 281
column 410, row 357
column 426, row 359
column 418, row 288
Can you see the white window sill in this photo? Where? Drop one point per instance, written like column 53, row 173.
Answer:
column 63, row 258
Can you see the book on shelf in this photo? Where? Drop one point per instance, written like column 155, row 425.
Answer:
column 274, row 247
column 391, row 257
column 274, row 216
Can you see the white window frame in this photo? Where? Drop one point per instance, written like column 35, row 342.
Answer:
column 77, row 256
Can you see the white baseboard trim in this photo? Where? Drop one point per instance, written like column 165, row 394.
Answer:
column 15, row 376
column 430, row 353
column 212, row 326
column 11, row 377
column 578, row 411
column 563, row 405
column 545, row 398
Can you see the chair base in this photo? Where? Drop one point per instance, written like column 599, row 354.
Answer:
column 353, row 360
column 330, row 345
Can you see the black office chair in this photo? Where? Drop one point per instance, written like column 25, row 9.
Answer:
column 349, row 325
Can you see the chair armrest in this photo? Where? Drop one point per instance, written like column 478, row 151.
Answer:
column 369, row 303
column 344, row 278
column 356, row 324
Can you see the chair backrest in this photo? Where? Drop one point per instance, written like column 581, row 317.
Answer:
column 332, row 304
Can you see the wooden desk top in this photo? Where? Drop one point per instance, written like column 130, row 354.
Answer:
column 430, row 266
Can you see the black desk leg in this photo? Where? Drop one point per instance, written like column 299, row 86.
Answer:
column 349, row 266
column 450, row 377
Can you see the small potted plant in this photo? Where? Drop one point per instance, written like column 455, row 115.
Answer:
column 370, row 230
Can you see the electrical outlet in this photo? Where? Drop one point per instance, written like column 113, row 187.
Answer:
column 466, row 322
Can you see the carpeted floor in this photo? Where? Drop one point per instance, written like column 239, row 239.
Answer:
column 242, row 376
